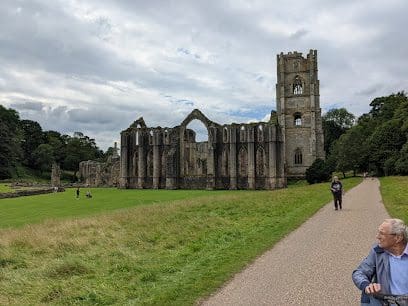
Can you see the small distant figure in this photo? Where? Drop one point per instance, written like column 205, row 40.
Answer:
column 365, row 175
column 337, row 191
column 55, row 189
column 77, row 193
column 88, row 194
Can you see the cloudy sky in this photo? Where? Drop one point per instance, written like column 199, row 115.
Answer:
column 95, row 66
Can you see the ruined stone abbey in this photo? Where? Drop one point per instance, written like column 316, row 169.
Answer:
column 258, row 155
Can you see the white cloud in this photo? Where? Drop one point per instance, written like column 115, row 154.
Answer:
column 95, row 66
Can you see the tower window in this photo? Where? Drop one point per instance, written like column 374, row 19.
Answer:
column 297, row 86
column 298, row 157
column 297, row 119
column 242, row 135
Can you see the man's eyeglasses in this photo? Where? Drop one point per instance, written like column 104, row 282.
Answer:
column 384, row 234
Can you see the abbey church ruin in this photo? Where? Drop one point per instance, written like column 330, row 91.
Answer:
column 258, row 155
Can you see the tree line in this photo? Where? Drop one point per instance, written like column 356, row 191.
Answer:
column 24, row 144
column 376, row 142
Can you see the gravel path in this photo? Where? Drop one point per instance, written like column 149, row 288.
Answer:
column 313, row 264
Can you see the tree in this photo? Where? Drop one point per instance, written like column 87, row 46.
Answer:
column 32, row 137
column 80, row 148
column 335, row 123
column 10, row 135
column 401, row 164
column 341, row 117
column 43, row 157
column 383, row 108
column 318, row 172
column 58, row 144
column 384, row 144
column 351, row 150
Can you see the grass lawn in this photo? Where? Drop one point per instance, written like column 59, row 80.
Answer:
column 171, row 253
column 5, row 188
column 35, row 209
column 394, row 190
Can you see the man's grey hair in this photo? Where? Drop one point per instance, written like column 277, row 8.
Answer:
column 398, row 227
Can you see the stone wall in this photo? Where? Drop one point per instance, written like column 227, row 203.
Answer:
column 28, row 192
column 98, row 174
column 236, row 156
column 298, row 111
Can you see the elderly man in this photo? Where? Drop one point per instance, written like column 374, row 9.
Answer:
column 385, row 269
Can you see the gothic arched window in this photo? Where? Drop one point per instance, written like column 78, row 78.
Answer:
column 298, row 156
column 242, row 134
column 260, row 133
column 297, row 86
column 297, row 117
column 225, row 134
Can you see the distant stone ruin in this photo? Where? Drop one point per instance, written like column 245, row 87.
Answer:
column 55, row 175
column 236, row 156
column 101, row 174
column 259, row 155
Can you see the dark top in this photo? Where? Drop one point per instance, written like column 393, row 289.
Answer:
column 336, row 187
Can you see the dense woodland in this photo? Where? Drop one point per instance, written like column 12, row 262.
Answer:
column 26, row 149
column 376, row 142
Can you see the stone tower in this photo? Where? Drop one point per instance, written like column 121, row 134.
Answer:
column 298, row 111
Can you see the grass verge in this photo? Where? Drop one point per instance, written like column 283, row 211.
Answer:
column 164, row 254
column 5, row 188
column 395, row 196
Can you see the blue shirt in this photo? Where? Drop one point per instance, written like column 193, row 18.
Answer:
column 399, row 272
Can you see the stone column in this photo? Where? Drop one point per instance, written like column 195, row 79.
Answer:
column 251, row 158
column 55, row 175
column 233, row 158
column 272, row 157
column 156, row 160
column 281, row 182
column 212, row 142
column 123, row 161
column 141, row 164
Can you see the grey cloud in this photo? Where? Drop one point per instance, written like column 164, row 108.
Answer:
column 370, row 90
column 34, row 106
column 299, row 34
column 215, row 55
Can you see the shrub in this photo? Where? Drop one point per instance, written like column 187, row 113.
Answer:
column 318, row 172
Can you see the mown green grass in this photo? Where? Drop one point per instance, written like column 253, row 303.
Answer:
column 35, row 209
column 394, row 191
column 5, row 188
column 170, row 253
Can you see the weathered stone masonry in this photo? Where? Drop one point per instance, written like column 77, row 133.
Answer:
column 298, row 109
column 236, row 156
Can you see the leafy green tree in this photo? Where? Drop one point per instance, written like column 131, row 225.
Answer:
column 10, row 136
column 318, row 172
column 383, row 108
column 32, row 137
column 401, row 164
column 335, row 123
column 80, row 148
column 58, row 144
column 385, row 143
column 43, row 157
column 351, row 150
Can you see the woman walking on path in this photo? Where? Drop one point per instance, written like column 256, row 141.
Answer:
column 337, row 190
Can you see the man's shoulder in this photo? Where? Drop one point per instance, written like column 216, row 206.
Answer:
column 378, row 249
